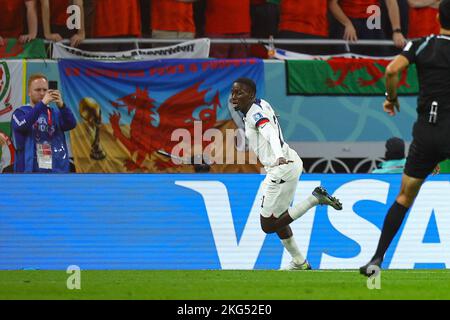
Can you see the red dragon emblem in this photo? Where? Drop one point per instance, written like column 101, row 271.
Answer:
column 151, row 127
column 374, row 67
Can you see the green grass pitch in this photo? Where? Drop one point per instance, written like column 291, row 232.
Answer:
column 225, row 285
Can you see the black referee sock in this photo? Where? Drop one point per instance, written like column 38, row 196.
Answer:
column 392, row 223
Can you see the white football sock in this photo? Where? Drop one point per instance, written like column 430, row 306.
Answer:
column 301, row 208
column 291, row 247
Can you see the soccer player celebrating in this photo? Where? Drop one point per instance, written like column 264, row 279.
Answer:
column 431, row 132
column 283, row 167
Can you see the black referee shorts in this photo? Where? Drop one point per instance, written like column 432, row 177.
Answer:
column 430, row 145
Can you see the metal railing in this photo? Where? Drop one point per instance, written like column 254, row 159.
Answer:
column 237, row 41
column 345, row 45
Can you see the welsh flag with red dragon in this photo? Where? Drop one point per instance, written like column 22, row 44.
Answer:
column 345, row 76
column 137, row 116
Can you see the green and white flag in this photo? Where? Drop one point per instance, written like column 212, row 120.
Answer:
column 13, row 49
column 345, row 76
column 12, row 96
column 12, row 87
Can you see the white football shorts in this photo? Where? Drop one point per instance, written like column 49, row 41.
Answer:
column 279, row 188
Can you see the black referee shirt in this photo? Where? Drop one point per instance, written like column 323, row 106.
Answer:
column 432, row 58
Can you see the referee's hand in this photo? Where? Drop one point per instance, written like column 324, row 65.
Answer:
column 389, row 107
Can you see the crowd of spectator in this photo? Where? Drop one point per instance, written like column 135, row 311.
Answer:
column 351, row 20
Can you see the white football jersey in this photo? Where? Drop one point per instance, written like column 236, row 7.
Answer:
column 268, row 145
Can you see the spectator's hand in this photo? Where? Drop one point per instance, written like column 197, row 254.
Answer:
column 436, row 170
column 76, row 39
column 399, row 40
column 350, row 33
column 2, row 43
column 389, row 107
column 48, row 97
column 57, row 98
column 25, row 38
column 282, row 160
column 55, row 37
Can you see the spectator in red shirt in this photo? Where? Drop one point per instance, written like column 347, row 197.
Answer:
column 423, row 18
column 172, row 19
column 116, row 19
column 306, row 21
column 353, row 17
column 13, row 14
column 228, row 19
column 54, row 21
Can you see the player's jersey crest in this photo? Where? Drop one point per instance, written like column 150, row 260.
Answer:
column 257, row 116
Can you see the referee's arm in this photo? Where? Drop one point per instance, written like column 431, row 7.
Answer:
column 396, row 66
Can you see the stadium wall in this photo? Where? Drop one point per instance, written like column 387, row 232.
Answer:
column 302, row 117
column 145, row 221
column 349, row 139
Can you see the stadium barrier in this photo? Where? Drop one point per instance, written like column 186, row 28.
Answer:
column 138, row 41
column 188, row 221
column 323, row 142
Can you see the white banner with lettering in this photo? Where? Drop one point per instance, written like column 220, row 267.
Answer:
column 193, row 49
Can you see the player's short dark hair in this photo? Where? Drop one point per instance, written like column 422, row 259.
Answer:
column 444, row 14
column 247, row 81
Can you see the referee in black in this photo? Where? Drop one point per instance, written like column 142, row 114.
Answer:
column 431, row 132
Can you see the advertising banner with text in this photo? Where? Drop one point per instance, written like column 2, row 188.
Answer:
column 211, row 221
